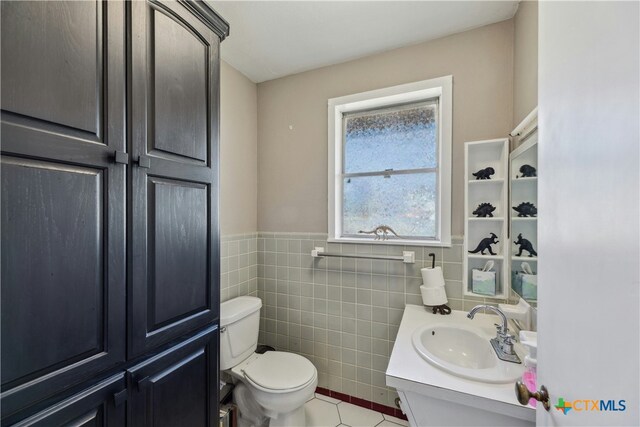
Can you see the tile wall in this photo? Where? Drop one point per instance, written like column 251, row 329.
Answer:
column 238, row 266
column 342, row 313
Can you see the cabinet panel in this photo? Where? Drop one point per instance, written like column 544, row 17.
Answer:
column 180, row 393
column 94, row 406
column 53, row 266
column 63, row 198
column 174, row 182
column 180, row 74
column 62, row 284
column 178, row 223
column 52, row 60
column 179, row 386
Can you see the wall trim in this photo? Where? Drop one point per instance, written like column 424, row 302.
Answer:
column 363, row 403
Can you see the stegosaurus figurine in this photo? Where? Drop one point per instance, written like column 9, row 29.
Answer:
column 526, row 209
column 484, row 210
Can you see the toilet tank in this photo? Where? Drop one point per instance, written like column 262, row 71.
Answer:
column 239, row 325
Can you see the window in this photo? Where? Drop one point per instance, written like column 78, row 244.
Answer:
column 390, row 164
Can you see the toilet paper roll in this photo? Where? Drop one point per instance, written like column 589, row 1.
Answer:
column 432, row 277
column 433, row 296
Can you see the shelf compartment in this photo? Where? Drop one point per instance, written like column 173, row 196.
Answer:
column 479, row 155
column 529, row 231
column 494, row 194
column 483, row 154
column 525, row 157
column 478, row 230
column 501, row 284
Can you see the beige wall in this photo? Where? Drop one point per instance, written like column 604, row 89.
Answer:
column 238, row 152
column 292, row 163
column 525, row 60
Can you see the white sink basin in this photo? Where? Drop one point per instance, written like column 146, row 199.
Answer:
column 464, row 351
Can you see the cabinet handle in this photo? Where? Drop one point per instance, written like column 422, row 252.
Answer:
column 144, row 162
column 120, row 397
column 121, row 157
column 143, row 383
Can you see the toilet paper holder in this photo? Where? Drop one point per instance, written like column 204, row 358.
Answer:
column 433, row 289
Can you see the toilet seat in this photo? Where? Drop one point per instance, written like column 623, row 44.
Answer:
column 279, row 372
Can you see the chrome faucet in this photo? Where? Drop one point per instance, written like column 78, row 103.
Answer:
column 503, row 342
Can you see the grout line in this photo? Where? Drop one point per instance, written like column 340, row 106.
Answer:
column 339, row 415
column 389, row 421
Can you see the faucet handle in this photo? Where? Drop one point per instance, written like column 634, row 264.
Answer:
column 511, row 339
column 499, row 328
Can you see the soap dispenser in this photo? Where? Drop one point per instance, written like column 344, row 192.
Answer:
column 529, row 339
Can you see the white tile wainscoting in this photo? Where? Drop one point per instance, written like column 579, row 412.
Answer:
column 341, row 313
column 238, row 265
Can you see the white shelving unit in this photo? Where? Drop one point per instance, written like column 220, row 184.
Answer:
column 479, row 155
column 523, row 189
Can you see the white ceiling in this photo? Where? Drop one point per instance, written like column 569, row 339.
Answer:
column 271, row 39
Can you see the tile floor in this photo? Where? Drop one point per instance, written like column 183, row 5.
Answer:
column 324, row 411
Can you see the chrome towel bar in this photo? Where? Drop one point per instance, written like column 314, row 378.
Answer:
column 408, row 257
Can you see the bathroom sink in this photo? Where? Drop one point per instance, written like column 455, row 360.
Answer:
column 463, row 351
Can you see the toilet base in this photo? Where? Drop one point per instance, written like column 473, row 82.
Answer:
column 295, row 418
column 254, row 415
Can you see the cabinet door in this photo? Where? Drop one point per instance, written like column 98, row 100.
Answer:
column 63, row 196
column 178, row 387
column 174, row 194
column 100, row 405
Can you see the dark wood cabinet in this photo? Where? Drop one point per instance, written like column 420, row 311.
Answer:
column 174, row 176
column 103, row 404
column 179, row 386
column 63, row 196
column 109, row 216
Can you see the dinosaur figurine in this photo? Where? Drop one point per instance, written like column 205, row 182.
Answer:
column 525, row 245
column 484, row 210
column 484, row 173
column 526, row 209
column 381, row 232
column 527, row 171
column 485, row 244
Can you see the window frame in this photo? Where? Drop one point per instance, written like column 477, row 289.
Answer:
column 426, row 90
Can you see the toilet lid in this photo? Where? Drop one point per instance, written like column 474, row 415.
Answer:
column 279, row 370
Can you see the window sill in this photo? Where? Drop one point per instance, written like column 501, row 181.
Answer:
column 393, row 242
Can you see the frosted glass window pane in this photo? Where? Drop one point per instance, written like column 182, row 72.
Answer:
column 399, row 138
column 406, row 203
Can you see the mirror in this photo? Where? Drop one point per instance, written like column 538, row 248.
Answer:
column 523, row 215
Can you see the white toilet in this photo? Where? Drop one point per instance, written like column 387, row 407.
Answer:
column 279, row 382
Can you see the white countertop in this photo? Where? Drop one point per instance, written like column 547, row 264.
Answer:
column 408, row 371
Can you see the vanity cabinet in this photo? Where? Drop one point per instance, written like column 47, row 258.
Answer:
column 108, row 207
